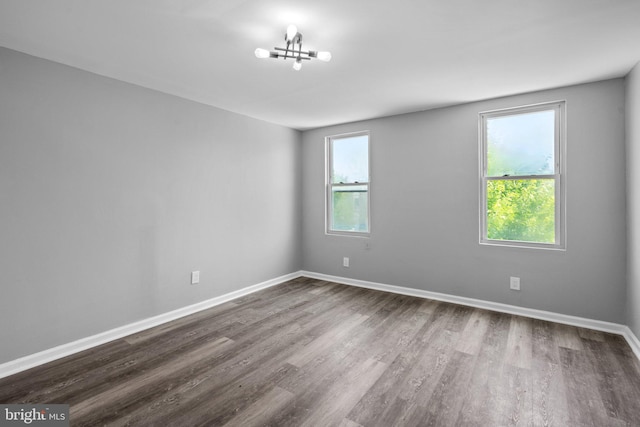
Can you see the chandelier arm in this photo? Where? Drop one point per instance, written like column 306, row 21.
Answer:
column 286, row 51
column 281, row 49
column 293, row 55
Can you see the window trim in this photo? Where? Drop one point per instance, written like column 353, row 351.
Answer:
column 329, row 185
column 559, row 174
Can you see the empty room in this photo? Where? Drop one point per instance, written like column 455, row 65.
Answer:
column 320, row 213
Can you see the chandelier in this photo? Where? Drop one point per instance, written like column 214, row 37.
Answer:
column 293, row 50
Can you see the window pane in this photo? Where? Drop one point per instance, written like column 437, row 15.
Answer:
column 350, row 208
column 521, row 210
column 350, row 159
column 521, row 144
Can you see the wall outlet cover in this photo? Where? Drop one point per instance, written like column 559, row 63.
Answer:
column 195, row 277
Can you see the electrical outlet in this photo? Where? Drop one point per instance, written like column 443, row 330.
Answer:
column 514, row 283
column 195, row 277
column 345, row 262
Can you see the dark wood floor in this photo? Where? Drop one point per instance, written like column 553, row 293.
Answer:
column 315, row 353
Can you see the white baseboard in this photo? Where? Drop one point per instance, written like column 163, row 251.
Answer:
column 581, row 322
column 32, row 360
column 633, row 341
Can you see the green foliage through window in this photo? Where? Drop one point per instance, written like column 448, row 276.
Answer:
column 521, row 210
column 350, row 209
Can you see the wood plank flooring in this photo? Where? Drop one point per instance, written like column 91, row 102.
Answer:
column 313, row 353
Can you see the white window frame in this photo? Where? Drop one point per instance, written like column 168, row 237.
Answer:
column 558, row 176
column 329, row 185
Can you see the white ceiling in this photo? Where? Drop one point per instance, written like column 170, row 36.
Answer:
column 389, row 57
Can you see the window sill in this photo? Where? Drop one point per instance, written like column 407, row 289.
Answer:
column 523, row 245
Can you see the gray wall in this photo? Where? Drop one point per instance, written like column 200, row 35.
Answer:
column 424, row 196
column 111, row 194
column 633, row 198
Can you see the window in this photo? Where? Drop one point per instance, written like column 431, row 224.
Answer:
column 522, row 187
column 348, row 184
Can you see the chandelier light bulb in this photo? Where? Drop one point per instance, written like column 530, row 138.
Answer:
column 324, row 56
column 262, row 53
column 297, row 65
column 292, row 30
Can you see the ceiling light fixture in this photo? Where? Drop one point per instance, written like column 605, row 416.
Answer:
column 293, row 50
